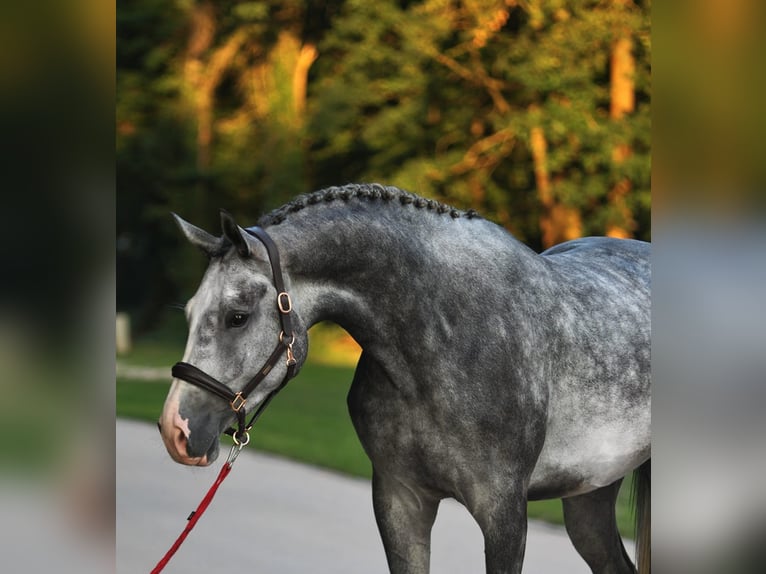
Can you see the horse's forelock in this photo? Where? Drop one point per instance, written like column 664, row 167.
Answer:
column 223, row 247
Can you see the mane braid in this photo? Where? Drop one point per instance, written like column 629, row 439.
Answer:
column 363, row 191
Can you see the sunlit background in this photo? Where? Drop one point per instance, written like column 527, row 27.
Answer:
column 537, row 114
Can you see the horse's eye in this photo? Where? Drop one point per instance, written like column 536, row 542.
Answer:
column 237, row 319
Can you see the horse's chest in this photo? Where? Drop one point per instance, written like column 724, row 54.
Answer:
column 434, row 441
column 409, row 437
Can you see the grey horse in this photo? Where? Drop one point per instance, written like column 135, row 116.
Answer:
column 489, row 373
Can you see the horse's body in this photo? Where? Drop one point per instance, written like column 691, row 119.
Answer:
column 489, row 373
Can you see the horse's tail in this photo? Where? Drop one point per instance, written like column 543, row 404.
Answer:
column 642, row 500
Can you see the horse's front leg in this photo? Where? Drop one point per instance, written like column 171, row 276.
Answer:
column 502, row 517
column 405, row 515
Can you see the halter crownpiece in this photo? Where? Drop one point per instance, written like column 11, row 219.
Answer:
column 237, row 400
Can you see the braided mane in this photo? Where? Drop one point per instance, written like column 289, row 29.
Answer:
column 364, row 191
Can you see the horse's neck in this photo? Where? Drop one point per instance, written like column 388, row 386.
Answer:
column 379, row 274
column 348, row 272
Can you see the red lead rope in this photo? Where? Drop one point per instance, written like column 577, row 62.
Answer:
column 196, row 514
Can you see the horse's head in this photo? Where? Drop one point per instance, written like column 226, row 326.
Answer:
column 234, row 325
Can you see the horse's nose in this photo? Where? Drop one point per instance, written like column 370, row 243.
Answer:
column 176, row 441
column 175, row 436
column 175, row 433
column 179, row 441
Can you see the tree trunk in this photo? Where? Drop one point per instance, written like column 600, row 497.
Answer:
column 558, row 222
column 623, row 68
column 203, row 72
column 306, row 57
column 202, row 28
column 622, row 101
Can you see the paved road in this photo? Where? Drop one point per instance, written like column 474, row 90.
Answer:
column 279, row 517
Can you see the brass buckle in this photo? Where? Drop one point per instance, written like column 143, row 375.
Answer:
column 236, row 406
column 284, row 308
column 290, row 355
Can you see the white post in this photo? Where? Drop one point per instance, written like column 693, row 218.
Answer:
column 122, row 338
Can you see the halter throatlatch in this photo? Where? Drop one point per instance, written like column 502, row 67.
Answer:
column 237, row 400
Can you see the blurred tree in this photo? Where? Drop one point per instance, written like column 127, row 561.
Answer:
column 534, row 112
column 212, row 99
column 499, row 105
column 622, row 102
column 154, row 158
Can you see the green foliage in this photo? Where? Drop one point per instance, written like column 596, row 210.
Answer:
column 422, row 92
column 251, row 11
column 437, row 97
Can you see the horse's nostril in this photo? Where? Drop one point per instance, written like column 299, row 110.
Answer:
column 159, row 426
column 181, row 443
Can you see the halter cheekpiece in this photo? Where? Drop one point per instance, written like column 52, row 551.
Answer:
column 237, row 401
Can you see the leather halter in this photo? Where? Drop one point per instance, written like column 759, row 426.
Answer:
column 195, row 376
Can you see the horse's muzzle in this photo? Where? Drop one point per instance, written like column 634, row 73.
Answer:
column 176, row 439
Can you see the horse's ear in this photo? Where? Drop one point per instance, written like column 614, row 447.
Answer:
column 197, row 236
column 235, row 233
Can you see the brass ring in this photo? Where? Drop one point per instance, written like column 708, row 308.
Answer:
column 282, row 340
column 241, row 443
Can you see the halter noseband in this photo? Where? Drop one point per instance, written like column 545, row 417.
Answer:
column 195, row 376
